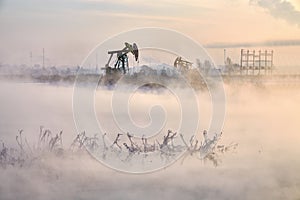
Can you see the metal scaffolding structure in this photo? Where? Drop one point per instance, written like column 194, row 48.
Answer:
column 254, row 63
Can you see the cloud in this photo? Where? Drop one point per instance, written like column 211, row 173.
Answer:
column 247, row 44
column 280, row 9
column 156, row 9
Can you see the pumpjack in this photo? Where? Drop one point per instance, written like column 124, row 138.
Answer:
column 182, row 64
column 122, row 58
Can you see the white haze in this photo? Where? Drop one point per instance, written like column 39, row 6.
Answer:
column 263, row 121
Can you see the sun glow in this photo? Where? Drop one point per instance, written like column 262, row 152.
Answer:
column 295, row 3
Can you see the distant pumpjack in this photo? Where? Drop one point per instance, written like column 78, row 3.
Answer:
column 182, row 64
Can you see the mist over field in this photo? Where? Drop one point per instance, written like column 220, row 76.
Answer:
column 264, row 121
column 101, row 100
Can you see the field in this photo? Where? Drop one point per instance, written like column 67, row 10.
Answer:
column 263, row 121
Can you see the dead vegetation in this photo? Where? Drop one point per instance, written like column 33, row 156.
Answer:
column 170, row 145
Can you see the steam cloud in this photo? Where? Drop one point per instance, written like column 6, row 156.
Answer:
column 264, row 121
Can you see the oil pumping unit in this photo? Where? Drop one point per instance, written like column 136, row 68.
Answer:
column 182, row 64
column 122, row 58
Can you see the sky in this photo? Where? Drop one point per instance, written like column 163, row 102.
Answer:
column 70, row 29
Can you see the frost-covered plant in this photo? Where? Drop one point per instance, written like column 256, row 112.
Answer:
column 24, row 154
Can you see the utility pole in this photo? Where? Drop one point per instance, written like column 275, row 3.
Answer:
column 43, row 57
column 225, row 57
column 241, row 66
column 30, row 58
column 96, row 62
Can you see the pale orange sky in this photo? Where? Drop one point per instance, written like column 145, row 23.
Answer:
column 296, row 3
column 69, row 29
